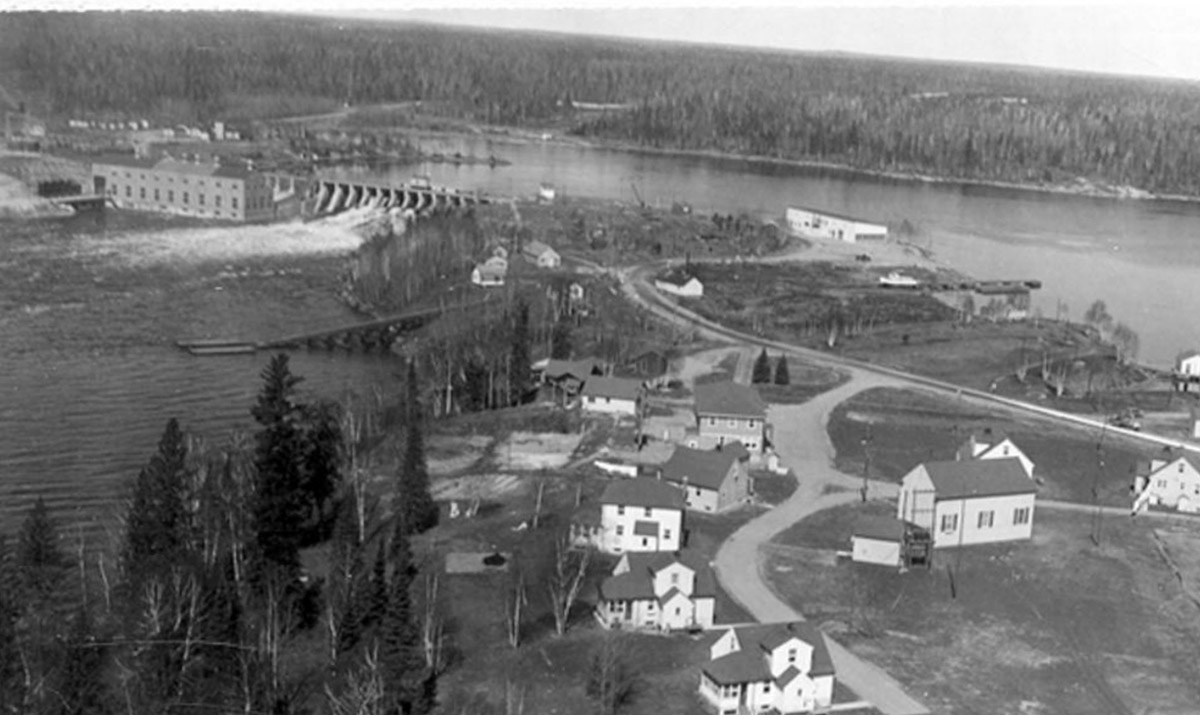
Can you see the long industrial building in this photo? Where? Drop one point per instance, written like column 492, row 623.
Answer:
column 188, row 188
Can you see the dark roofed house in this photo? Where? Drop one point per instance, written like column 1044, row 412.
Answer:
column 664, row 590
column 729, row 412
column 712, row 480
column 777, row 667
column 568, row 376
column 969, row 502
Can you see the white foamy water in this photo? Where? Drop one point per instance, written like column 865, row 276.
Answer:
column 337, row 234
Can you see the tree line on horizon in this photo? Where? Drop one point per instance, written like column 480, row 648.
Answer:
column 957, row 121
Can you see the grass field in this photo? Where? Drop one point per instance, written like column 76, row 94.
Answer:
column 1055, row 625
column 906, row 428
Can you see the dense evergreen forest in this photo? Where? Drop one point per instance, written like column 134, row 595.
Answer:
column 956, row 121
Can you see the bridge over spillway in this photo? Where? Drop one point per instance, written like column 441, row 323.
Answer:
column 330, row 196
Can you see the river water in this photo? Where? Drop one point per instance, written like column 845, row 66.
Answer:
column 90, row 307
column 1141, row 258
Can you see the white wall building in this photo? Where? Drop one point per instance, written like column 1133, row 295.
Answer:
column 640, row 514
column 969, row 502
column 810, row 223
column 663, row 590
column 682, row 285
column 778, row 667
column 612, row 395
column 1173, row 483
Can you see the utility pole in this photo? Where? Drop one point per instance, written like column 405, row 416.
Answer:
column 866, row 446
column 1098, row 515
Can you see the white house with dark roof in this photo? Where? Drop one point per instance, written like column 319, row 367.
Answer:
column 681, row 284
column 811, row 223
column 612, row 395
column 711, row 480
column 775, row 667
column 967, row 502
column 541, row 255
column 729, row 412
column 640, row 514
column 994, row 445
column 663, row 591
column 1172, row 482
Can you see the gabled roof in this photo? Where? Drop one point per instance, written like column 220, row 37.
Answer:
column 651, row 562
column 666, row 597
column 628, row 586
column 677, row 277
column 579, row 369
column 979, row 478
column 621, row 388
column 643, row 491
column 700, row 468
column 787, row 676
column 488, row 270
column 730, row 399
column 1186, row 355
column 536, row 249
column 1170, row 458
column 748, row 665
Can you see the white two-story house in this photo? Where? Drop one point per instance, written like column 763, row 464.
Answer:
column 775, row 667
column 640, row 514
column 994, row 445
column 663, row 591
column 1172, row 482
column 968, row 502
column 729, row 412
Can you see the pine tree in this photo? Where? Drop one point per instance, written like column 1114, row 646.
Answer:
column 781, row 371
column 376, row 597
column 81, row 683
column 762, row 369
column 414, row 504
column 297, row 457
column 156, row 528
column 41, row 565
column 560, row 341
column 400, row 650
column 520, row 380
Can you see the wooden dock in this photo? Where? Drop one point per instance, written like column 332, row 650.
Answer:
column 378, row 333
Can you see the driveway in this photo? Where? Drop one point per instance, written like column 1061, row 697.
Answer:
column 803, row 445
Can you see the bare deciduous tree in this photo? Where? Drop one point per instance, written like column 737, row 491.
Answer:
column 611, row 679
column 568, row 570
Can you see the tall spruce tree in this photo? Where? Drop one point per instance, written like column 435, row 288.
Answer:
column 560, row 341
column 157, row 532
column 413, row 502
column 297, row 457
column 41, row 565
column 762, row 369
column 400, row 649
column 520, row 380
column 781, row 371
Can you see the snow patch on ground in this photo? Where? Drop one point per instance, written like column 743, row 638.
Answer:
column 536, row 450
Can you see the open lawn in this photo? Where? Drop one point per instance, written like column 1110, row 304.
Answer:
column 1056, row 625
column 905, row 428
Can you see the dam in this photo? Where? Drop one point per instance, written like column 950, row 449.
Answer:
column 328, row 196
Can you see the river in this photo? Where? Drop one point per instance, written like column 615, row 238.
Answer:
column 1142, row 258
column 90, row 306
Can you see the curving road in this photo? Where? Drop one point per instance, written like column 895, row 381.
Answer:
column 803, row 444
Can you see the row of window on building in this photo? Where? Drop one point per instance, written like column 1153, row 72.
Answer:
column 987, row 519
column 186, row 197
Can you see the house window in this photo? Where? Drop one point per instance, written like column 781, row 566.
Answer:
column 645, row 542
column 620, row 530
column 171, row 196
column 1162, row 483
column 142, row 193
column 185, row 197
column 675, row 579
column 766, row 688
column 218, row 200
column 648, row 511
column 1021, row 515
column 751, row 424
column 620, row 510
column 712, row 421
column 156, row 194
column 949, row 523
column 667, row 532
column 985, row 519
column 234, row 200
column 733, row 423
column 791, row 656
column 128, row 191
column 201, row 199
column 1181, row 467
